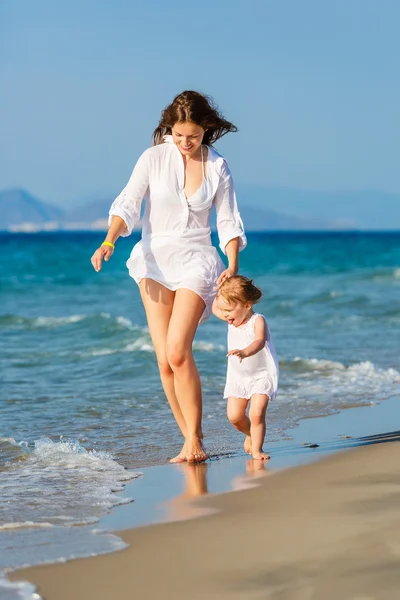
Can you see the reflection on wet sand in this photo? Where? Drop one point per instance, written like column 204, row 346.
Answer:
column 184, row 506
column 255, row 469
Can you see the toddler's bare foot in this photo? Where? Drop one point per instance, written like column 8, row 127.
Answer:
column 181, row 457
column 260, row 456
column 195, row 451
column 247, row 444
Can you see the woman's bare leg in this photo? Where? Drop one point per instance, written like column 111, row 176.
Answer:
column 158, row 302
column 187, row 310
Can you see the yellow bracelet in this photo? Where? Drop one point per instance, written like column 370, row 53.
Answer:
column 108, row 244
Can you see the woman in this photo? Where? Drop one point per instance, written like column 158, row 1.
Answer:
column 175, row 265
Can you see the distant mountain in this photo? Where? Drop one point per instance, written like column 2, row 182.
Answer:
column 18, row 206
column 367, row 209
column 93, row 215
column 257, row 219
column 298, row 210
column 90, row 212
column 19, row 211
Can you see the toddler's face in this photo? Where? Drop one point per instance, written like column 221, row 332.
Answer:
column 234, row 313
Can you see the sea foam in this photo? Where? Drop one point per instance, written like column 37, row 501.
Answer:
column 75, row 485
column 326, row 381
column 18, row 590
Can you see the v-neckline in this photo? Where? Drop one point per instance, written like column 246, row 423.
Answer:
column 187, row 199
column 195, row 193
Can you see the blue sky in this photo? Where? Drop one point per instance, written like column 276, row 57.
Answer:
column 313, row 86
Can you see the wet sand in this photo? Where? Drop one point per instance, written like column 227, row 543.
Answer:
column 323, row 531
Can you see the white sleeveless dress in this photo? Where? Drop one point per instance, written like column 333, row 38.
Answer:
column 257, row 374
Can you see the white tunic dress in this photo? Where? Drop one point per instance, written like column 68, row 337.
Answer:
column 257, row 374
column 176, row 248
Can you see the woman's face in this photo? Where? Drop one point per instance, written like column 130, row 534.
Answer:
column 187, row 137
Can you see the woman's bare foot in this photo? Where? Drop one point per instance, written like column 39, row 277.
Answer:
column 181, row 457
column 261, row 456
column 247, row 444
column 195, row 451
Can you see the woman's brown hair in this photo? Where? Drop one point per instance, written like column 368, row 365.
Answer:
column 196, row 108
column 240, row 289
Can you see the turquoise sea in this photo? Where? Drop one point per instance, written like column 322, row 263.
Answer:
column 81, row 406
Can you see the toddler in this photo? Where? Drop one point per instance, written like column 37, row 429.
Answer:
column 253, row 369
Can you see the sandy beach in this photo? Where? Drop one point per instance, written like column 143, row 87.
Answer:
column 326, row 530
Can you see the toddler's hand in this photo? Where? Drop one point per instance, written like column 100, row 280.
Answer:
column 239, row 353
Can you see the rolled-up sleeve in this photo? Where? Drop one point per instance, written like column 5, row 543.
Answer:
column 229, row 223
column 127, row 204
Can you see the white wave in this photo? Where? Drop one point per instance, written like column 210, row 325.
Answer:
column 24, row 525
column 51, row 322
column 142, row 344
column 367, row 372
column 8, row 440
column 71, row 453
column 324, row 381
column 139, row 345
column 124, row 321
column 46, row 321
column 207, row 346
column 27, row 548
column 315, row 364
column 99, row 352
column 335, row 294
column 70, row 482
column 18, row 590
column 386, row 274
column 365, row 368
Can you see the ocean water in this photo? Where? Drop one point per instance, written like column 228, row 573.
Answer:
column 81, row 405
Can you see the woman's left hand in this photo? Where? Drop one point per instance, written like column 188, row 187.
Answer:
column 229, row 272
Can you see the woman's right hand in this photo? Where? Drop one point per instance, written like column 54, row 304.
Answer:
column 103, row 252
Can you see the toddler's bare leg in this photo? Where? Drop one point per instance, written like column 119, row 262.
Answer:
column 236, row 411
column 257, row 415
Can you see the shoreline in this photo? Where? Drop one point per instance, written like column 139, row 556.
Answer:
column 172, row 515
column 161, row 484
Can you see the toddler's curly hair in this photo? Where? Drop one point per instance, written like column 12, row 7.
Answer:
column 240, row 289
